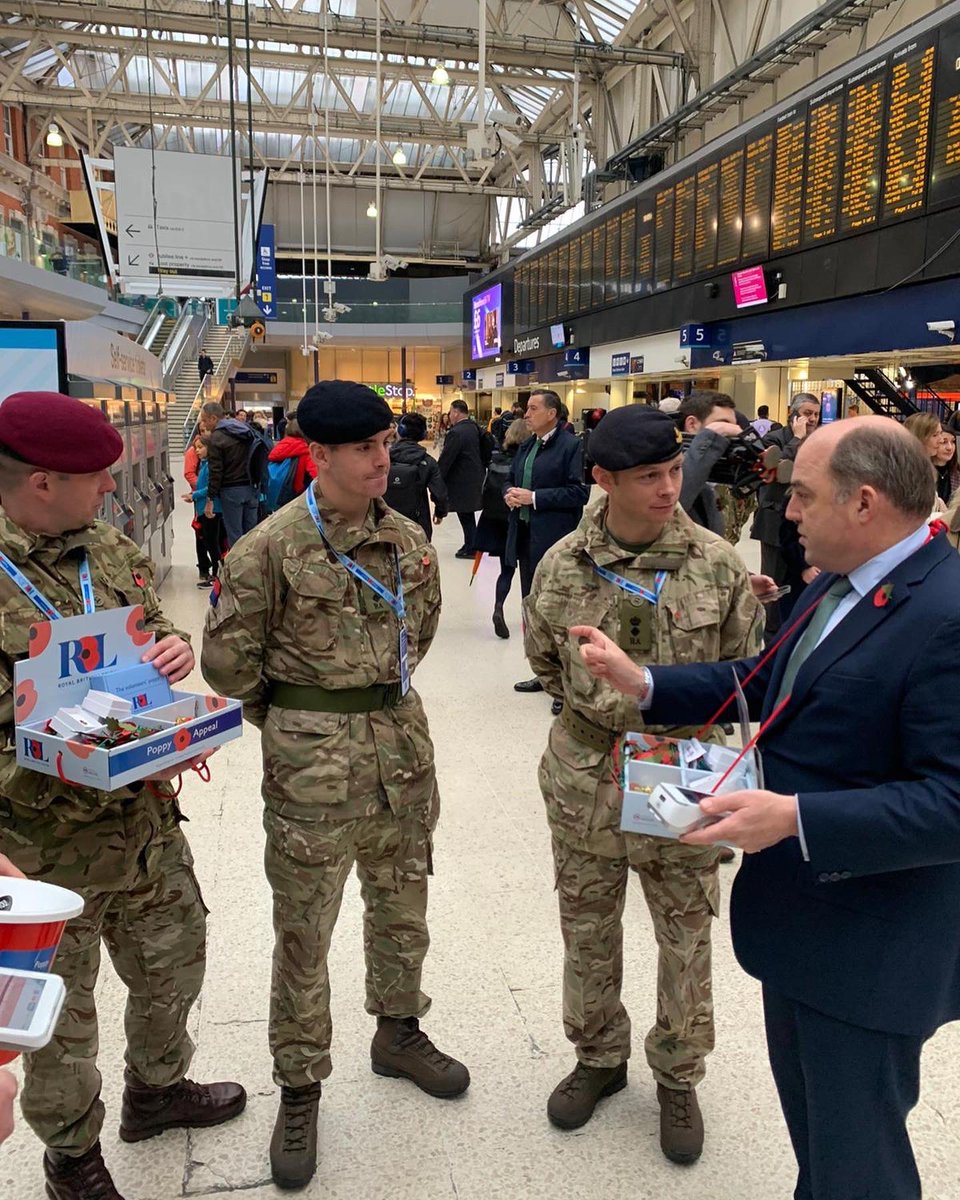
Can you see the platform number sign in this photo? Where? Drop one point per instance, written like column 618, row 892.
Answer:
column 694, row 335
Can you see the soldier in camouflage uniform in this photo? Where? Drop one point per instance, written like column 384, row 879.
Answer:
column 314, row 651
column 123, row 851
column 705, row 611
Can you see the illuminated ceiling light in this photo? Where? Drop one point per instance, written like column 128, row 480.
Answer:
column 440, row 76
column 54, row 136
column 399, row 158
column 372, row 210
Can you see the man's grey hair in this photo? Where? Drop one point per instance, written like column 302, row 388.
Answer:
column 893, row 463
column 213, row 409
column 800, row 399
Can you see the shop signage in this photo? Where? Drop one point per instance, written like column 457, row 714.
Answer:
column 394, row 391
column 620, row 363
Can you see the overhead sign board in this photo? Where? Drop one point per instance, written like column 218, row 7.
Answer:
column 174, row 220
column 620, row 363
column 267, row 272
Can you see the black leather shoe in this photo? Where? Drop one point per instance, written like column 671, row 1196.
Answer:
column 528, row 685
column 463, row 552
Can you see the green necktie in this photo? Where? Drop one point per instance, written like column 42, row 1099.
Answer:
column 811, row 635
column 527, row 477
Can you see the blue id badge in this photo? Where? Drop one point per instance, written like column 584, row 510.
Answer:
column 404, row 662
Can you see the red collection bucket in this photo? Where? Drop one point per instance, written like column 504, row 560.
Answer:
column 32, row 917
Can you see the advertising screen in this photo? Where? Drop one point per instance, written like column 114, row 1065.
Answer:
column 558, row 336
column 749, row 287
column 487, row 322
column 31, row 358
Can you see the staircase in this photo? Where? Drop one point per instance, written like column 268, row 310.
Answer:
column 187, row 385
column 162, row 336
column 878, row 391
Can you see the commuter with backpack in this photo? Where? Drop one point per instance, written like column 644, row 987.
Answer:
column 291, row 468
column 414, row 474
column 238, row 456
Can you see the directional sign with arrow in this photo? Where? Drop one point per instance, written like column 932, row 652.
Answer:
column 130, row 231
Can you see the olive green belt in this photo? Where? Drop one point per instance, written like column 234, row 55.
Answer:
column 594, row 736
column 313, row 698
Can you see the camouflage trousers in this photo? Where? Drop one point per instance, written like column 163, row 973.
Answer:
column 682, row 891
column 155, row 933
column 307, row 864
column 736, row 512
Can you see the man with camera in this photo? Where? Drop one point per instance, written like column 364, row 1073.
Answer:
column 710, row 419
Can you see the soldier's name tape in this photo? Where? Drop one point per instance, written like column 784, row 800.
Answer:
column 33, row 593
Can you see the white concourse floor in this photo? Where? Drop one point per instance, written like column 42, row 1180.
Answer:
column 494, row 972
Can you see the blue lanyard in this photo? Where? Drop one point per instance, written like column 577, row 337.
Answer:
column 397, row 606
column 39, row 599
column 634, row 589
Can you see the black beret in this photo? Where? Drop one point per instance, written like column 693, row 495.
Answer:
column 634, row 436
column 336, row 411
column 58, row 433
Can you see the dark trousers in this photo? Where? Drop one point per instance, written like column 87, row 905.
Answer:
column 209, row 541
column 468, row 523
column 504, row 583
column 772, row 563
column 524, row 561
column 845, row 1093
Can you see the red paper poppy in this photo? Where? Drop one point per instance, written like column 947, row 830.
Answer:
column 39, row 637
column 136, row 627
column 182, row 739
column 26, row 700
column 213, row 703
column 881, row 597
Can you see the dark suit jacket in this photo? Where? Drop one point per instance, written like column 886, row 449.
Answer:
column 772, row 497
column 867, row 931
column 462, row 467
column 561, row 493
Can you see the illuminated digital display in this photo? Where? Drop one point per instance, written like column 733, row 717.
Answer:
column 788, row 182
column 628, row 247
column 863, row 149
column 757, row 192
column 487, row 322
column 822, row 191
column 731, row 208
column 611, row 262
column 645, row 227
column 684, row 218
column 707, row 219
column 908, row 131
column 663, row 254
column 945, row 168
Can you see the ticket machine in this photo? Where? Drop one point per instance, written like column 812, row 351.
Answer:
column 119, row 505
column 135, row 435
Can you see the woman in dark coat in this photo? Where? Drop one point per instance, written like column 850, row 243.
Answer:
column 491, row 537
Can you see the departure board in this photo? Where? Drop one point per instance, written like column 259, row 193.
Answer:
column 586, row 270
column 611, row 262
column 573, row 277
column 788, row 181
column 684, row 219
column 552, row 310
column 757, row 193
column 663, row 253
column 563, row 272
column 822, row 190
column 645, row 229
column 863, row 148
column 707, row 219
column 628, row 249
column 731, row 209
column 540, row 275
column 599, row 248
column 945, row 170
column 908, row 131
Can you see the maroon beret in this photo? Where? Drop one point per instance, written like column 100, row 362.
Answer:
column 58, row 433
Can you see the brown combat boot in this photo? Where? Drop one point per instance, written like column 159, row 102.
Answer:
column 573, row 1100
column 147, row 1111
column 83, row 1178
column 401, row 1049
column 293, row 1147
column 681, row 1124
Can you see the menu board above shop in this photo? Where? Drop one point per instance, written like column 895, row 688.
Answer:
column 877, row 144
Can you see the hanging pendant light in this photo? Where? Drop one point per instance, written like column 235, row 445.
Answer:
column 440, row 76
column 372, row 210
column 54, row 136
column 399, row 158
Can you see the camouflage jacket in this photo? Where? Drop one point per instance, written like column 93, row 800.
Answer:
column 74, row 836
column 289, row 612
column 706, row 613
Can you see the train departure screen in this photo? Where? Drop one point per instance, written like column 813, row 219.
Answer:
column 788, row 181
column 822, row 190
column 663, row 261
column 757, row 193
column 863, row 149
column 945, row 170
column 552, row 285
column 611, row 262
column 707, row 218
column 586, row 270
column 628, row 249
column 731, row 208
column 908, row 130
column 563, row 275
column 599, row 239
column 683, row 226
column 645, row 224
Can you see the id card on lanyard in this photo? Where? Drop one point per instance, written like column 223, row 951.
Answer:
column 393, row 601
column 33, row 593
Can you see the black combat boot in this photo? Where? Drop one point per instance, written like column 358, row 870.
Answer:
column 147, row 1111
column 401, row 1049
column 573, row 1100
column 293, row 1147
column 681, row 1124
column 83, row 1178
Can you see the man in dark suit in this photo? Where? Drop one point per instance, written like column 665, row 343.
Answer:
column 462, row 469
column 845, row 905
column 545, row 493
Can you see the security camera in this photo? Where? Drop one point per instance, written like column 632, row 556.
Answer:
column 322, row 336
column 947, row 328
